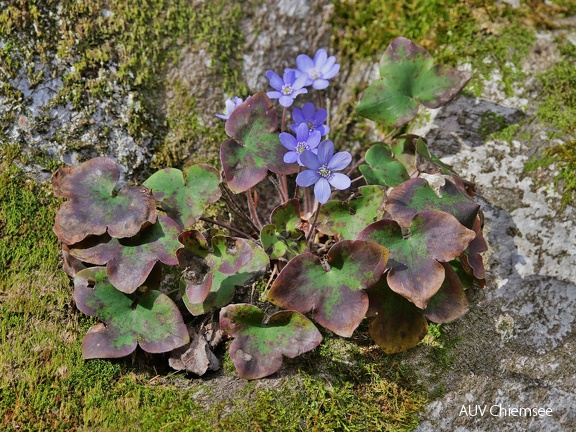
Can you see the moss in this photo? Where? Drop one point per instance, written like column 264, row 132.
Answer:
column 492, row 123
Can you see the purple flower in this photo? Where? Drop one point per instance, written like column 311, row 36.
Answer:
column 312, row 118
column 287, row 87
column 321, row 170
column 305, row 140
column 231, row 105
column 319, row 70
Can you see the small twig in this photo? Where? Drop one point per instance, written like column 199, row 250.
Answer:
column 237, row 210
column 276, row 184
column 356, row 179
column 252, row 210
column 223, row 225
column 274, row 271
column 283, row 187
column 356, row 165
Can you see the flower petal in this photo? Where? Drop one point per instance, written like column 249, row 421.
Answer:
column 298, row 92
column 291, row 157
column 340, row 181
column 325, row 152
column 328, row 65
column 322, row 190
column 304, row 63
column 288, row 140
column 285, row 101
column 323, row 129
column 298, row 116
column 320, row 116
column 314, row 139
column 300, row 82
column 302, row 133
column 320, row 58
column 294, row 127
column 320, row 84
column 340, row 161
column 222, row 116
column 333, row 71
column 289, row 76
column 275, row 81
column 308, row 110
column 274, row 94
column 307, row 178
column 310, row 160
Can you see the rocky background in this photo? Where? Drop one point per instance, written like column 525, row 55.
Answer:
column 141, row 82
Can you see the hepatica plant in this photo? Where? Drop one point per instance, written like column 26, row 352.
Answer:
column 391, row 245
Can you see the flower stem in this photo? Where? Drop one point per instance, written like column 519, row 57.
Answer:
column 313, row 227
column 223, row 225
column 283, row 120
column 252, row 209
column 319, row 97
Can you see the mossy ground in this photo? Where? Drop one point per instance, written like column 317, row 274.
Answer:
column 344, row 385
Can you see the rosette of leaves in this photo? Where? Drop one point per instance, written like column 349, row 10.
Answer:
column 399, row 324
column 146, row 317
column 129, row 261
column 213, row 271
column 347, row 219
column 409, row 78
column 332, row 287
column 282, row 237
column 253, row 147
column 414, row 268
column 93, row 206
column 185, row 195
column 260, row 343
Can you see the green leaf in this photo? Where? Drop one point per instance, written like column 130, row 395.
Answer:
column 408, row 78
column 259, row 344
column 283, row 237
column 92, row 209
column 348, row 219
column 254, row 146
column 229, row 262
column 383, row 169
column 185, row 200
column 415, row 195
column 415, row 270
column 149, row 319
column 399, row 324
column 130, row 261
column 334, row 292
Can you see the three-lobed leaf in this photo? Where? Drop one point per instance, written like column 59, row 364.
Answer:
column 382, row 167
column 92, row 208
column 414, row 268
column 333, row 291
column 415, row 195
column 185, row 195
column 130, row 261
column 408, row 79
column 347, row 219
column 253, row 147
column 148, row 319
column 259, row 344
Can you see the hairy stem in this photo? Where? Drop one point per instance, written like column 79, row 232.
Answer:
column 313, row 227
column 252, row 210
column 223, row 225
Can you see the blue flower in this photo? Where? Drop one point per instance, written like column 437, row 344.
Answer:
column 319, row 70
column 312, row 118
column 305, row 140
column 231, row 105
column 321, row 170
column 287, row 88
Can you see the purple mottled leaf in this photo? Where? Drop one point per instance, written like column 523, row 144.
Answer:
column 399, row 324
column 472, row 259
column 130, row 261
column 408, row 79
column 92, row 209
column 450, row 301
column 148, row 319
column 254, row 146
column 415, row 270
column 334, row 291
column 259, row 344
column 415, row 195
